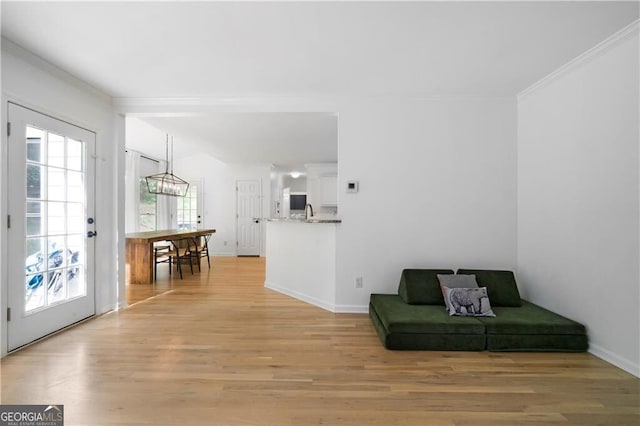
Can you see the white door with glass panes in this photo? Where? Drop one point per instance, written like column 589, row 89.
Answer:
column 147, row 201
column 189, row 207
column 52, row 224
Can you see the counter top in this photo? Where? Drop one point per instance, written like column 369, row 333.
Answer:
column 312, row 220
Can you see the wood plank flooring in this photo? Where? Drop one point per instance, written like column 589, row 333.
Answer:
column 217, row 348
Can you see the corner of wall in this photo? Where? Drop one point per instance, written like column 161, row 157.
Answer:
column 555, row 123
column 614, row 359
column 583, row 58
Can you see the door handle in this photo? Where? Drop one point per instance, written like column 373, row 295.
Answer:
column 256, row 220
column 91, row 234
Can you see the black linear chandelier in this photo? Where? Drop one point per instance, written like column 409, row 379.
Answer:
column 167, row 183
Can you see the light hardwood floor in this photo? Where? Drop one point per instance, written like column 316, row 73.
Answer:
column 217, row 348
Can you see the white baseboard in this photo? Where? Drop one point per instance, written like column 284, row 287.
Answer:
column 303, row 297
column 618, row 361
column 338, row 309
column 351, row 309
column 223, row 254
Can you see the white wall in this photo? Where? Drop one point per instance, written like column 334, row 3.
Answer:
column 296, row 185
column 219, row 184
column 29, row 81
column 578, row 212
column 437, row 189
column 301, row 261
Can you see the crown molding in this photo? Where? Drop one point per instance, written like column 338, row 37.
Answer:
column 317, row 103
column 182, row 106
column 594, row 52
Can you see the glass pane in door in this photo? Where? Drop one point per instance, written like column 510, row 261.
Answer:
column 55, row 212
column 35, row 274
column 188, row 208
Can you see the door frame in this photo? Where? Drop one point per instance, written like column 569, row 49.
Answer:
column 5, row 99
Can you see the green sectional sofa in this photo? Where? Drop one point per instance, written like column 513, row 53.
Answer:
column 416, row 318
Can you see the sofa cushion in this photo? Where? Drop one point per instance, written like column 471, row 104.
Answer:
column 531, row 328
column 537, row 342
column 501, row 286
column 530, row 319
column 421, row 286
column 469, row 302
column 399, row 317
column 457, row 281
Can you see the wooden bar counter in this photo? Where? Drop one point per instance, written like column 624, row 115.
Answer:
column 139, row 251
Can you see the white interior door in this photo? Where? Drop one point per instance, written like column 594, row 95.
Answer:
column 50, row 235
column 248, row 208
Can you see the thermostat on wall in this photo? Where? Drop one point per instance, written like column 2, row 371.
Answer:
column 352, row 186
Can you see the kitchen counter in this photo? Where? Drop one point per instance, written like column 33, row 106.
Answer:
column 311, row 220
column 301, row 259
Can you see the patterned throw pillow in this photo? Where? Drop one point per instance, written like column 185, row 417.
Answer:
column 472, row 302
column 455, row 281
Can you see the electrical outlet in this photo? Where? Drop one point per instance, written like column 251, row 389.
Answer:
column 358, row 282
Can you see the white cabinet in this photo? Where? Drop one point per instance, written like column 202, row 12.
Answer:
column 322, row 187
column 329, row 191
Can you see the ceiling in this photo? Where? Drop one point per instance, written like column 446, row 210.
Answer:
column 287, row 140
column 234, row 49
